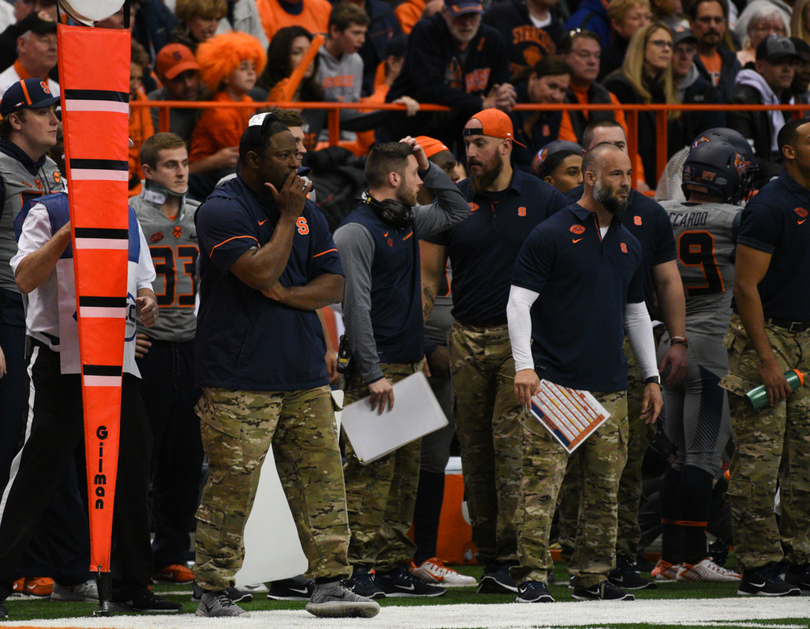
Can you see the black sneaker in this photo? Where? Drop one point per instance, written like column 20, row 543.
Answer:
column 602, row 591
column 239, row 596
column 3, row 609
column 497, row 580
column 624, row 576
column 534, row 592
column 799, row 576
column 296, row 589
column 400, row 582
column 766, row 581
column 145, row 602
column 363, row 583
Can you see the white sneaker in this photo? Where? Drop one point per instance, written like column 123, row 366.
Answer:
column 255, row 588
column 665, row 571
column 87, row 591
column 708, row 571
column 433, row 570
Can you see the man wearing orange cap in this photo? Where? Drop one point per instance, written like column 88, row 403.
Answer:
column 179, row 73
column 505, row 205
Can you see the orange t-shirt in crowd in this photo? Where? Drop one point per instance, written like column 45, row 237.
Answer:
column 408, row 13
column 219, row 127
column 314, row 17
column 714, row 65
column 140, row 129
column 567, row 128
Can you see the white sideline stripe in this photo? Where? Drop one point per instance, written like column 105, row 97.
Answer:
column 97, row 174
column 716, row 612
column 102, row 243
column 96, row 105
column 102, row 313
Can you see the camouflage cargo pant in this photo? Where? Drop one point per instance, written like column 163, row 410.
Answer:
column 771, row 445
column 629, row 495
column 381, row 495
column 488, row 430
column 600, row 460
column 238, row 428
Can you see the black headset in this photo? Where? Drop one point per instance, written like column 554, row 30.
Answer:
column 390, row 211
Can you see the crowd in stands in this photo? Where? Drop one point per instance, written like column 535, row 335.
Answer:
column 471, row 56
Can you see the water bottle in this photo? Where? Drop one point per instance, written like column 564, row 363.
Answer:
column 757, row 398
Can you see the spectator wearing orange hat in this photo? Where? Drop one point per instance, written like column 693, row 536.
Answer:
column 230, row 64
column 506, row 204
column 179, row 73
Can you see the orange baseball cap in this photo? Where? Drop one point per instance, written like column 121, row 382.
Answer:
column 174, row 59
column 430, row 146
column 495, row 124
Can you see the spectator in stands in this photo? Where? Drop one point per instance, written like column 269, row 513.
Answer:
column 799, row 21
column 152, row 25
column 313, row 15
column 179, row 73
column 243, row 16
column 531, row 29
column 198, row 21
column 667, row 11
column 646, row 77
column 708, row 21
column 229, row 66
column 801, row 80
column 547, row 84
column 765, row 21
column 692, row 89
column 383, row 26
column 285, row 53
column 36, row 52
column 409, row 13
column 768, row 84
column 140, row 119
column 432, row 72
column 591, row 15
column 757, row 7
column 8, row 38
column 626, row 17
column 582, row 52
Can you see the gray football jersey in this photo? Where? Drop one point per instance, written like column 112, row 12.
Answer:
column 705, row 244
column 174, row 249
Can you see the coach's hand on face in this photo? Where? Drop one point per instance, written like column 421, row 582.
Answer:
column 290, row 199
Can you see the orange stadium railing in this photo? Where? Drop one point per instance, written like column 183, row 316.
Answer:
column 630, row 111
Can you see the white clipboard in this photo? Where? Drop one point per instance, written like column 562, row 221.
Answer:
column 416, row 413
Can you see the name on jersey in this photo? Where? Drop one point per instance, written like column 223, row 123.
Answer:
column 688, row 219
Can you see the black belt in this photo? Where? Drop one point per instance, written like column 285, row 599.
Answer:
column 790, row 326
column 485, row 323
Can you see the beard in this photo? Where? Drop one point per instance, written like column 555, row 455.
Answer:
column 482, row 181
column 606, row 197
column 406, row 197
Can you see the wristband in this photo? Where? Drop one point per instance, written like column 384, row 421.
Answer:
column 653, row 380
column 679, row 340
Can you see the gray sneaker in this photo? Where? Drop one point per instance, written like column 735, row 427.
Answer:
column 87, row 591
column 218, row 604
column 333, row 600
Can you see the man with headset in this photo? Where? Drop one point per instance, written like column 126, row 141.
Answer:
column 379, row 248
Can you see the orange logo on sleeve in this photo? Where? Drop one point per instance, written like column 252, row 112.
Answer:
column 637, row 220
column 473, row 207
column 303, row 228
column 577, row 229
column 624, row 248
column 801, row 212
column 521, row 211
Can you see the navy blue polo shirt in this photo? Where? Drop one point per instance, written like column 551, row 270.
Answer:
column 483, row 248
column 649, row 223
column 585, row 282
column 246, row 341
column 775, row 221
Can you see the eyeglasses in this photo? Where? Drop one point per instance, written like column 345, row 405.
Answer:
column 765, row 28
column 710, row 19
column 661, row 43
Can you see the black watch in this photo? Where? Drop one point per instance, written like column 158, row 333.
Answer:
column 653, row 379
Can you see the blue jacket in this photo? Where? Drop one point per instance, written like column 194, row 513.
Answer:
column 592, row 16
